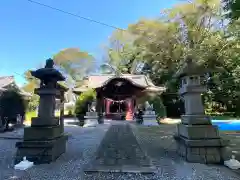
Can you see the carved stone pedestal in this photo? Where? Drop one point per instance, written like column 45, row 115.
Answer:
column 198, row 140
column 150, row 118
column 91, row 119
column 41, row 144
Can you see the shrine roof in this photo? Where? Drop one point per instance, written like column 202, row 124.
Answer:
column 98, row 81
column 6, row 80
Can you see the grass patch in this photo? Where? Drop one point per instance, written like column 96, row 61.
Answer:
column 32, row 114
column 223, row 117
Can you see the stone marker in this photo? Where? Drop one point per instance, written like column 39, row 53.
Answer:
column 45, row 140
column 149, row 116
column 91, row 119
column 197, row 139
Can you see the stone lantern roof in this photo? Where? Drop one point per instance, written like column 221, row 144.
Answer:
column 190, row 68
column 48, row 72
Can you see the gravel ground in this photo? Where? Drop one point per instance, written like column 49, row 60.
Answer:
column 160, row 146
column 81, row 148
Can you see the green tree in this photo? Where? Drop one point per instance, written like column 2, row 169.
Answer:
column 29, row 87
column 74, row 64
column 198, row 29
column 233, row 8
column 32, row 82
column 11, row 104
column 120, row 51
column 82, row 103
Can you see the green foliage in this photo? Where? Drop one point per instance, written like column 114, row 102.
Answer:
column 70, row 110
column 82, row 103
column 120, row 51
column 29, row 87
column 198, row 29
column 158, row 106
column 74, row 63
column 233, row 8
column 31, row 84
column 29, row 115
column 11, row 104
column 33, row 103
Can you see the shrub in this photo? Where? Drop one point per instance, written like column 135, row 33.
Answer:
column 70, row 111
column 11, row 104
column 33, row 103
column 158, row 106
column 82, row 103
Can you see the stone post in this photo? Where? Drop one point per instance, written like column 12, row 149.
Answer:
column 45, row 140
column 197, row 139
column 149, row 116
column 91, row 118
column 62, row 110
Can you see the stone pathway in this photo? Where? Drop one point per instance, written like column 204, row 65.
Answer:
column 120, row 152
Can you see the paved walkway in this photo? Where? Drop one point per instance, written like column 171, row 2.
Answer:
column 119, row 151
column 85, row 144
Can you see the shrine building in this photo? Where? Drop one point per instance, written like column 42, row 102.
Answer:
column 118, row 96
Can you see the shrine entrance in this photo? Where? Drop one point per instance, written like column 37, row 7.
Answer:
column 118, row 107
column 118, row 95
column 118, row 98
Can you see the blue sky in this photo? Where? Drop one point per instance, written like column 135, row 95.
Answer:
column 29, row 33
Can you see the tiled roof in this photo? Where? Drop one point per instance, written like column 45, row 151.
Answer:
column 96, row 81
column 6, row 80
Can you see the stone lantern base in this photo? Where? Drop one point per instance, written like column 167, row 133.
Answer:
column 41, row 144
column 198, row 140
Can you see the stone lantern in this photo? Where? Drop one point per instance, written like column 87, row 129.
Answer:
column 45, row 140
column 197, row 139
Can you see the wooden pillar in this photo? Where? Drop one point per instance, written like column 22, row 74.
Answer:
column 108, row 103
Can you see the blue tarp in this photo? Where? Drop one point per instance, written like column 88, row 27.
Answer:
column 233, row 125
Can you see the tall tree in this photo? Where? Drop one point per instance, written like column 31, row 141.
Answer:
column 199, row 29
column 32, row 82
column 74, row 63
column 233, row 8
column 120, row 51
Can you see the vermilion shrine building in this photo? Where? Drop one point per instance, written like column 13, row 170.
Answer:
column 118, row 96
